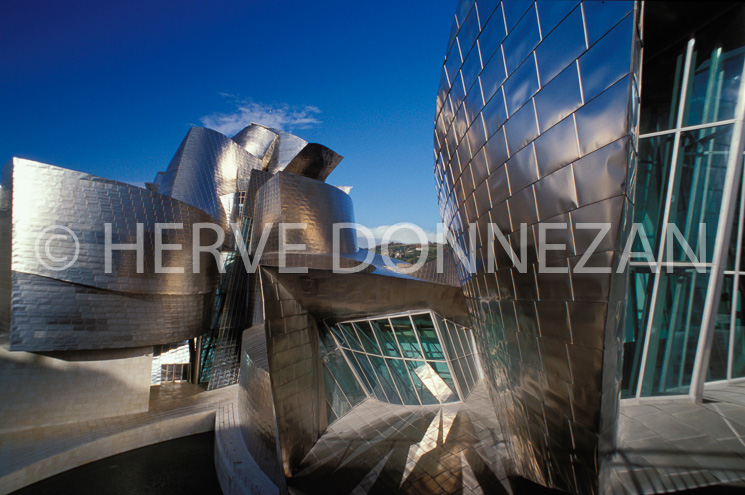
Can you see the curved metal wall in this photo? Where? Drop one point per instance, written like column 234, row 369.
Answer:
column 204, row 172
column 82, row 306
column 290, row 198
column 536, row 126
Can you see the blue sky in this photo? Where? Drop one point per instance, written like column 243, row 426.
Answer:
column 111, row 88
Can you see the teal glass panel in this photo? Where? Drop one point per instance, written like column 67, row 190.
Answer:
column 384, row 332
column 386, row 381
column 720, row 340
column 371, row 377
column 428, row 337
column 367, row 337
column 406, row 337
column 403, row 381
column 364, row 381
column 345, row 377
column 676, row 327
column 640, row 285
column 327, row 342
column 334, row 395
column 425, row 394
column 697, row 193
column 738, row 328
column 339, row 334
column 465, row 340
column 732, row 251
column 351, row 336
column 652, row 176
column 444, row 372
column 716, row 70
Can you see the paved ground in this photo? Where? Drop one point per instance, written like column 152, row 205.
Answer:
column 674, row 445
column 183, row 466
column 385, row 448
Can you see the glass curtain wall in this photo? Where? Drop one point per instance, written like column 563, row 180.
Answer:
column 401, row 358
column 689, row 96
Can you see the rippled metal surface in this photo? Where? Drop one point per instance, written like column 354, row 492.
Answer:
column 82, row 306
column 535, row 125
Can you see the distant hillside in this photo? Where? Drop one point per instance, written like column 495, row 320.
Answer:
column 409, row 252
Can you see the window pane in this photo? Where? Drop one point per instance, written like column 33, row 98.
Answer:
column 419, row 371
column 345, row 377
column 334, row 394
column 697, row 193
column 457, row 347
column 351, row 337
column 675, row 331
column 640, row 285
column 444, row 372
column 385, row 379
column 366, row 334
column 384, row 332
column 428, row 336
column 720, row 342
column 664, row 71
column 738, row 350
column 403, row 381
column 462, row 383
column 371, row 376
column 655, row 156
column 406, row 337
column 715, row 73
column 340, row 336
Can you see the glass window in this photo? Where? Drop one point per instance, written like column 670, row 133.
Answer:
column 351, row 337
column 384, row 332
column 419, row 370
column 697, row 192
column 344, row 376
column 738, row 330
column 406, row 337
column 428, row 337
column 385, row 379
column 675, row 330
column 653, row 168
column 640, row 286
column 403, row 381
column 368, row 338
column 334, row 394
column 720, row 342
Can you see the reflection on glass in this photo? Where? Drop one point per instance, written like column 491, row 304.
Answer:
column 406, row 337
column 676, row 326
column 425, row 395
column 720, row 340
column 367, row 336
column 403, row 381
column 637, row 311
column 738, row 330
column 697, row 191
column 334, row 394
column 384, row 332
column 428, row 337
column 433, row 381
column 353, row 342
column 385, row 379
column 655, row 155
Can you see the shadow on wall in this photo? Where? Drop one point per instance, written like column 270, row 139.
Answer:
column 72, row 386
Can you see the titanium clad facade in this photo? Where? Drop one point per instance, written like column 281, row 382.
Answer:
column 204, row 172
column 81, row 306
column 535, row 133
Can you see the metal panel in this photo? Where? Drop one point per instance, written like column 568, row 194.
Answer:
column 566, row 147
